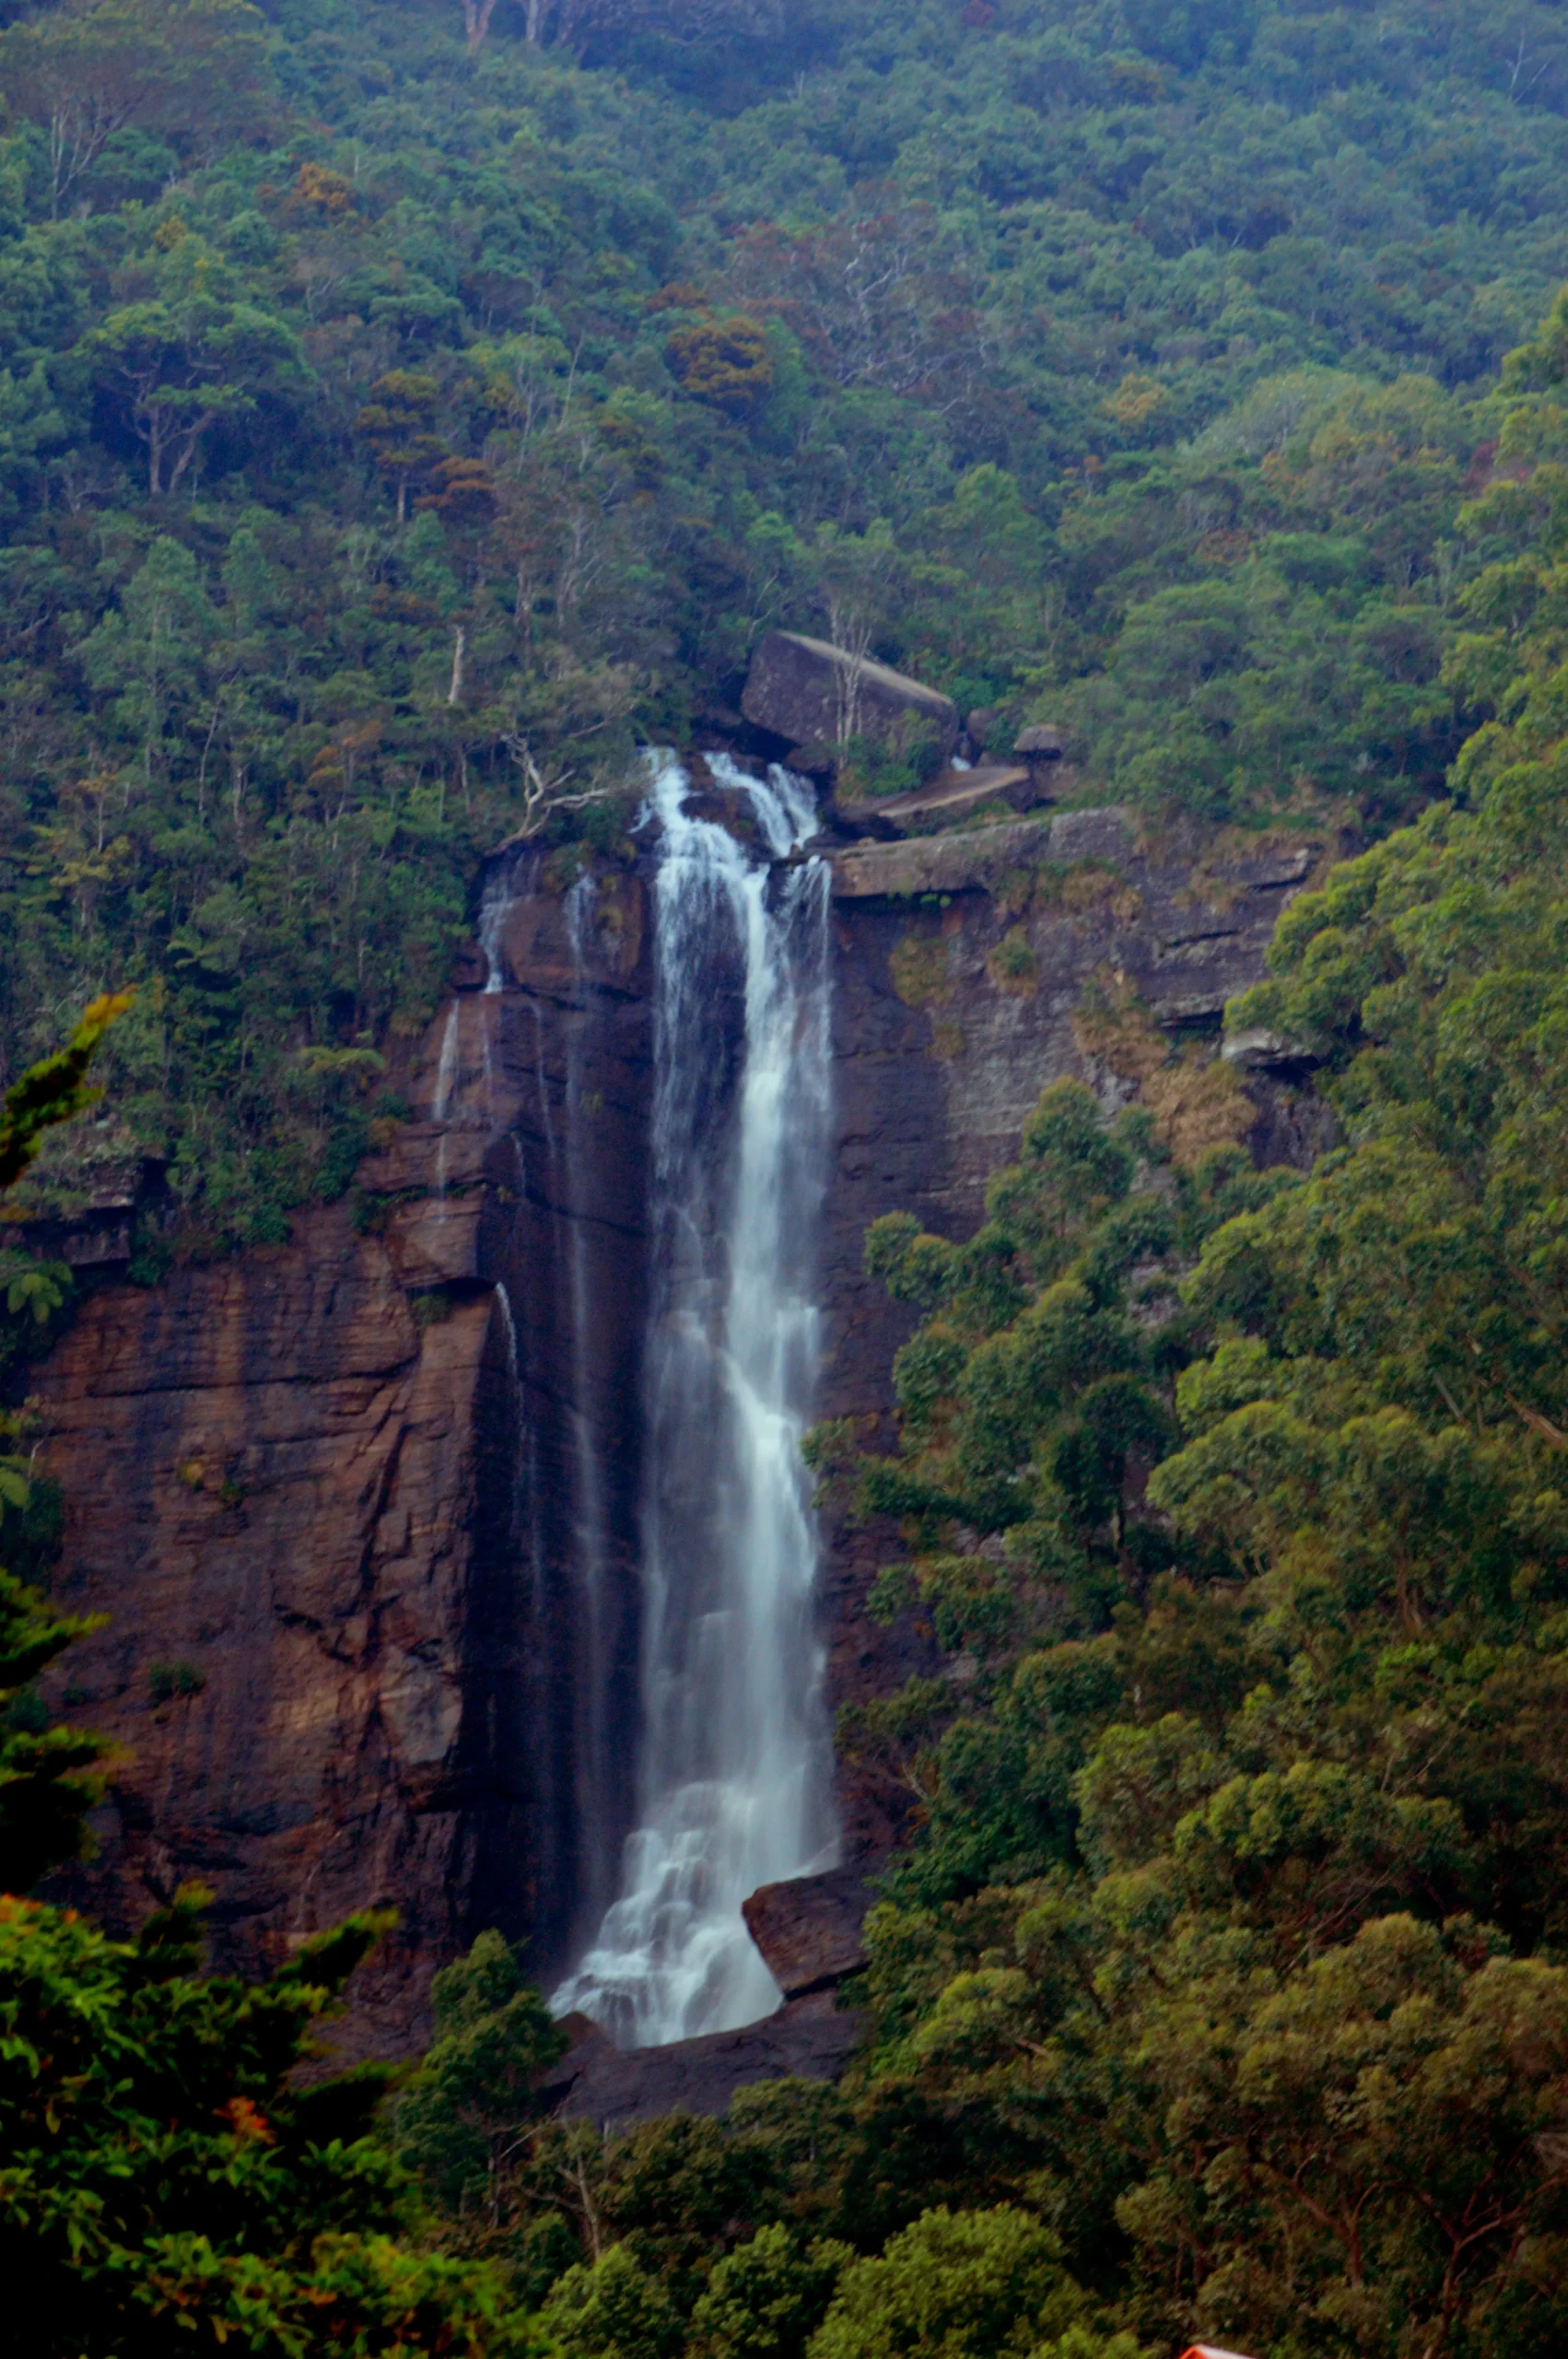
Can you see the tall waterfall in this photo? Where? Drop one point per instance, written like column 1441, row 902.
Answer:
column 733, row 1786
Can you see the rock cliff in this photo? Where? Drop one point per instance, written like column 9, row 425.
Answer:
column 362, row 1510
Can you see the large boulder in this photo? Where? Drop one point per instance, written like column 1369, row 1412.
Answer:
column 808, row 1929
column 812, row 694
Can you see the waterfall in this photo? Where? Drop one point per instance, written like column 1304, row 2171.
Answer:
column 734, row 1771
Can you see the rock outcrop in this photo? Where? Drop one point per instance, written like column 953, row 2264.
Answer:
column 363, row 1511
column 810, row 693
column 808, row 2039
column 954, row 795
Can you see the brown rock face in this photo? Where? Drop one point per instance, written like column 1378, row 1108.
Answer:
column 271, row 1474
column 363, row 1511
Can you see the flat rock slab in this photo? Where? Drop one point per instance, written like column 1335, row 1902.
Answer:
column 808, row 2039
column 938, row 863
column 808, row 1929
column 950, row 795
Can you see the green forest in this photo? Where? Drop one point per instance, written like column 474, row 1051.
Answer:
column 407, row 412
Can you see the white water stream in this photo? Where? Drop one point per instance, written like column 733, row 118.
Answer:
column 733, row 1786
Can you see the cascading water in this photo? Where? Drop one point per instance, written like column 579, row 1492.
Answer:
column 734, row 1777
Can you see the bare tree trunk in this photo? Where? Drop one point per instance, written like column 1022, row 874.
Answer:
column 56, row 161
column 460, row 648
column 193, row 441
column 852, row 633
column 476, row 16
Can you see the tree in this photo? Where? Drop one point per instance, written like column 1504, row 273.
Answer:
column 163, row 2170
column 725, row 362
column 462, row 2119
column 970, row 2284
column 397, row 423
column 191, row 66
column 49, row 1776
column 1238, row 1894
column 187, row 359
column 766, row 2298
column 149, row 655
column 573, row 22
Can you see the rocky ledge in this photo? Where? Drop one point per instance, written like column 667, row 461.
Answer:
column 809, row 1931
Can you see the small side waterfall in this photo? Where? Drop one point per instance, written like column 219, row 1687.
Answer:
column 734, row 1771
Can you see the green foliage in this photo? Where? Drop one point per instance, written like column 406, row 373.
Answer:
column 766, row 2298
column 50, row 1776
column 192, row 69
column 166, row 1681
column 461, row 2118
column 969, row 2284
column 391, row 424
column 611, row 2309
column 162, row 2169
column 1037, row 1392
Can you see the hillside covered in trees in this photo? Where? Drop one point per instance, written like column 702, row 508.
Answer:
column 406, row 411
column 403, row 414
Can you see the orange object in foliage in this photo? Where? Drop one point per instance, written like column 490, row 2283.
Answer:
column 1209, row 2351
